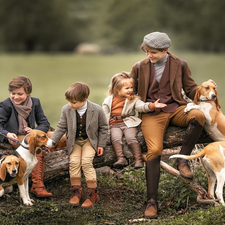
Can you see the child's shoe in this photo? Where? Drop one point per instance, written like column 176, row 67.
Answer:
column 91, row 198
column 77, row 194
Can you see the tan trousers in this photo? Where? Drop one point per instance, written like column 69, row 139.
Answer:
column 154, row 127
column 82, row 156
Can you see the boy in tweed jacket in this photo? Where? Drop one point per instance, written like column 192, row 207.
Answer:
column 85, row 126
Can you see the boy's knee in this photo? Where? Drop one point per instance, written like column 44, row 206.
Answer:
column 152, row 155
column 75, row 164
column 199, row 116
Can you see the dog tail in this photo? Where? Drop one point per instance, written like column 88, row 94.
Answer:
column 198, row 155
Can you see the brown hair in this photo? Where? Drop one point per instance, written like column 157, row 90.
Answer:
column 116, row 84
column 20, row 81
column 145, row 47
column 77, row 91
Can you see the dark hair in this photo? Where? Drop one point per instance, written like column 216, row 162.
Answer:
column 77, row 91
column 144, row 47
column 20, row 81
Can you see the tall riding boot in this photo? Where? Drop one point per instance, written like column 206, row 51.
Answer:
column 136, row 150
column 152, row 173
column 121, row 160
column 37, row 174
column 193, row 132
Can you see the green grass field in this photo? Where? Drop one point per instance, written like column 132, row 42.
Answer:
column 52, row 74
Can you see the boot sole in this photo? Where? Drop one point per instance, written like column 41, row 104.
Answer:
column 151, row 217
column 187, row 177
column 74, row 206
column 40, row 196
column 119, row 166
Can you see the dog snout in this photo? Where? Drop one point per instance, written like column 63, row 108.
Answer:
column 50, row 143
column 213, row 96
column 14, row 171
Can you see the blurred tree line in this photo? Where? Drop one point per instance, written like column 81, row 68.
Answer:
column 57, row 25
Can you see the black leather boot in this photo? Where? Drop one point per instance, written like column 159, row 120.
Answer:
column 152, row 173
column 193, row 133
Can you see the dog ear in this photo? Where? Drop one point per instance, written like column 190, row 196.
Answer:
column 197, row 95
column 32, row 143
column 3, row 171
column 217, row 101
column 22, row 167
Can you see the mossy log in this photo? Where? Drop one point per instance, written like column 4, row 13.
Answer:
column 57, row 161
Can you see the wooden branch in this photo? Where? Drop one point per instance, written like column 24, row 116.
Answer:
column 202, row 196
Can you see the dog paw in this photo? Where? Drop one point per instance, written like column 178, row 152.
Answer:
column 28, row 203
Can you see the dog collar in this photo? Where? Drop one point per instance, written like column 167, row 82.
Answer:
column 206, row 100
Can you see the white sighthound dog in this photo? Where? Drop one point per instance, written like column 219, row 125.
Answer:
column 26, row 153
column 213, row 160
column 206, row 100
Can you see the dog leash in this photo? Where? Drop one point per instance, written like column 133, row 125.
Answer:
column 14, row 141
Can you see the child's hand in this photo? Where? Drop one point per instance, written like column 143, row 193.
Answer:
column 13, row 136
column 27, row 129
column 111, row 122
column 157, row 105
column 100, row 151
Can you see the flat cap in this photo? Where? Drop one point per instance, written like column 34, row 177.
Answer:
column 157, row 40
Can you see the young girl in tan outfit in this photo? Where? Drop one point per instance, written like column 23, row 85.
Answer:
column 119, row 108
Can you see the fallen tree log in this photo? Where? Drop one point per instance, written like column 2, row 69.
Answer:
column 57, row 161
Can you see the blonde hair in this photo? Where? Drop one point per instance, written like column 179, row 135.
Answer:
column 116, row 84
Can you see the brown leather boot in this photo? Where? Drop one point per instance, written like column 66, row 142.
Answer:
column 136, row 150
column 91, row 198
column 184, row 168
column 192, row 134
column 77, row 195
column 152, row 172
column 151, row 210
column 37, row 174
column 121, row 160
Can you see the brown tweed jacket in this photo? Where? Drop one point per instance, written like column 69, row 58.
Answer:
column 178, row 79
column 96, row 126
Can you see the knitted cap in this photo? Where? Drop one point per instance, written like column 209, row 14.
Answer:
column 157, row 40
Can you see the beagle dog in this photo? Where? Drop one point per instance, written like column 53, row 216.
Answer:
column 9, row 169
column 32, row 143
column 206, row 100
column 213, row 160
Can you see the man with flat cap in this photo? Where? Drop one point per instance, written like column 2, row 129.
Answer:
column 161, row 77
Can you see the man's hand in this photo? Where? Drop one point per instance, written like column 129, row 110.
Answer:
column 212, row 82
